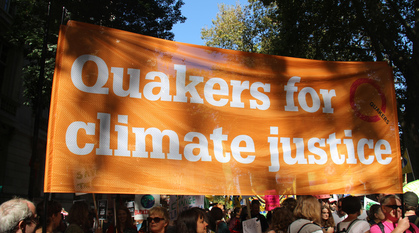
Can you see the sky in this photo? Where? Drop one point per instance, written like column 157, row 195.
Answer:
column 199, row 13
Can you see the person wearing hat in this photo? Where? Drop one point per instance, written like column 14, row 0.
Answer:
column 410, row 206
column 333, row 204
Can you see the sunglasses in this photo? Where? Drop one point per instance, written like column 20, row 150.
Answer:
column 394, row 206
column 155, row 219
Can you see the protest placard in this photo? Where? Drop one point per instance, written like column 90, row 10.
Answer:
column 179, row 203
column 252, row 226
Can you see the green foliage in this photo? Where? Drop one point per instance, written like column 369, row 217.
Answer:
column 351, row 30
column 320, row 30
column 227, row 20
column 149, row 17
column 27, row 32
column 335, row 30
column 246, row 28
column 31, row 74
column 340, row 30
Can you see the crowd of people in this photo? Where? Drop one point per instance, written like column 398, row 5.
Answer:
column 305, row 214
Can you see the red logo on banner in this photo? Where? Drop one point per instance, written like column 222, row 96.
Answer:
column 362, row 116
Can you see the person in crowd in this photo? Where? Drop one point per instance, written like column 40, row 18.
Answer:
column 289, row 203
column 17, row 215
column 192, row 220
column 219, row 205
column 307, row 215
column 327, row 223
column 323, row 202
column 79, row 220
column 227, row 215
column 255, row 213
column 124, row 222
column 410, row 206
column 333, row 204
column 269, row 217
column 381, row 196
column 140, row 223
column 235, row 225
column 217, row 223
column 352, row 207
column 338, row 215
column 109, row 221
column 363, row 215
column 158, row 219
column 52, row 217
column 375, row 215
column 282, row 217
column 254, row 210
column 393, row 222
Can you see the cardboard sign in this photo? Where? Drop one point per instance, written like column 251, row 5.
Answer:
column 271, row 201
column 143, row 203
column 102, row 209
column 252, row 226
column 179, row 203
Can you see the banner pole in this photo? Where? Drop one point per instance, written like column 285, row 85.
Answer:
column 96, row 214
column 44, row 215
column 114, row 213
column 248, row 208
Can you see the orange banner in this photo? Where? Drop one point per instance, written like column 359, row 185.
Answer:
column 135, row 114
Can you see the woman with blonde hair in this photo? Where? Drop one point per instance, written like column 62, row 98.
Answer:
column 307, row 215
column 158, row 220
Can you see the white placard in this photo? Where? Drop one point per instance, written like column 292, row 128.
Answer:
column 252, row 226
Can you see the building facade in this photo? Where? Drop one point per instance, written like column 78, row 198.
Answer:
column 17, row 122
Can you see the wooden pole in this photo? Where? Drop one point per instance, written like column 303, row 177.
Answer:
column 96, row 214
column 248, row 208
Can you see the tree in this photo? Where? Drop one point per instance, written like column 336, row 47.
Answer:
column 248, row 28
column 359, row 30
column 341, row 30
column 28, row 32
column 149, row 17
column 32, row 19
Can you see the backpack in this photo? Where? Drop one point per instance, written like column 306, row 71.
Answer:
column 305, row 224
column 346, row 230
